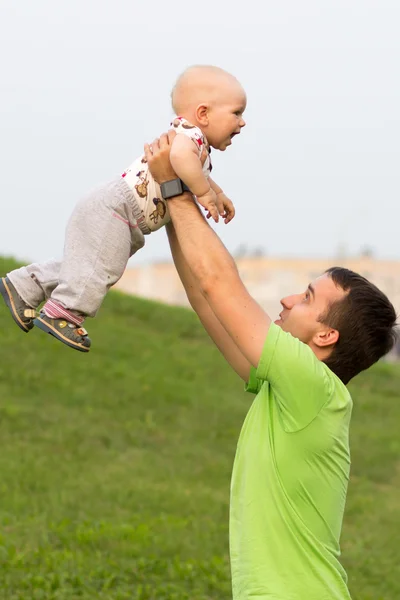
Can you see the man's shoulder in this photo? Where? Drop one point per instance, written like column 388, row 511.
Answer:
column 339, row 393
column 300, row 383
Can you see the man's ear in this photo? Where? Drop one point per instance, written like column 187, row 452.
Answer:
column 202, row 114
column 327, row 337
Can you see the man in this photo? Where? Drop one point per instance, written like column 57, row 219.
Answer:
column 292, row 463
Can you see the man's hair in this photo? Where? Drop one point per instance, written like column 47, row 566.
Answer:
column 365, row 320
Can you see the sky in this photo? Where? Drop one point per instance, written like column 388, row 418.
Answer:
column 315, row 172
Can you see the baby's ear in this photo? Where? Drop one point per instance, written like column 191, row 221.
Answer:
column 202, row 114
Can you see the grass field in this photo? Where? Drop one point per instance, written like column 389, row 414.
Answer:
column 115, row 466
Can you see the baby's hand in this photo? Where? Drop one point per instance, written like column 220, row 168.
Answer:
column 225, row 207
column 209, row 202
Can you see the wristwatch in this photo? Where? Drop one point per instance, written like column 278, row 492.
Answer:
column 172, row 188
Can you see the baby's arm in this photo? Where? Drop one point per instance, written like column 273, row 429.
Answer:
column 187, row 165
column 214, row 186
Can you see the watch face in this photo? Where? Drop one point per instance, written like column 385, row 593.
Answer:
column 172, row 188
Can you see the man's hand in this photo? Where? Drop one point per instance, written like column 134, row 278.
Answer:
column 157, row 156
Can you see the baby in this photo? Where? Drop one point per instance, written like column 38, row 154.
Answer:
column 108, row 226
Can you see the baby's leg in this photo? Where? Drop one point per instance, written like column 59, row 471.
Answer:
column 25, row 288
column 36, row 282
column 101, row 236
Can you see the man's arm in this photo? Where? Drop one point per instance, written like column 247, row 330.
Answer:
column 217, row 276
column 211, row 324
column 213, row 268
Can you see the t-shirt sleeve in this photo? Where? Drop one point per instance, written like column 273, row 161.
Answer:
column 253, row 384
column 300, row 383
column 191, row 131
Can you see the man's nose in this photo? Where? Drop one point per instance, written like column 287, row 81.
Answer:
column 289, row 301
column 242, row 123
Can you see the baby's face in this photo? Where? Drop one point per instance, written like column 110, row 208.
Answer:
column 226, row 117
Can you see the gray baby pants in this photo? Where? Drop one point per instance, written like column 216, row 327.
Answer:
column 101, row 236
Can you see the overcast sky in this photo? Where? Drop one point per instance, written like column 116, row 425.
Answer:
column 84, row 84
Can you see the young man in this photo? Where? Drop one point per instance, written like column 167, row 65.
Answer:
column 292, row 463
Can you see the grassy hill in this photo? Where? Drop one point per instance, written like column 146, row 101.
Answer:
column 115, row 466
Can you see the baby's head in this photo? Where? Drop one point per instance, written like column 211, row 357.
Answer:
column 213, row 100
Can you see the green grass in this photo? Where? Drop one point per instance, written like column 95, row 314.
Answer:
column 115, row 466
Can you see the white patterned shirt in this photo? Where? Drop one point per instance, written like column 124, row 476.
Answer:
column 154, row 208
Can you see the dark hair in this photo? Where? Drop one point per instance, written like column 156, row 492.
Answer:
column 365, row 320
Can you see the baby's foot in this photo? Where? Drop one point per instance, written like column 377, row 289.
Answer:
column 22, row 313
column 72, row 335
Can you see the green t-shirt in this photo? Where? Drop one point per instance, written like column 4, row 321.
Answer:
column 290, row 477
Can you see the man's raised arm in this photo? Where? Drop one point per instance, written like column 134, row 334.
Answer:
column 211, row 324
column 213, row 269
